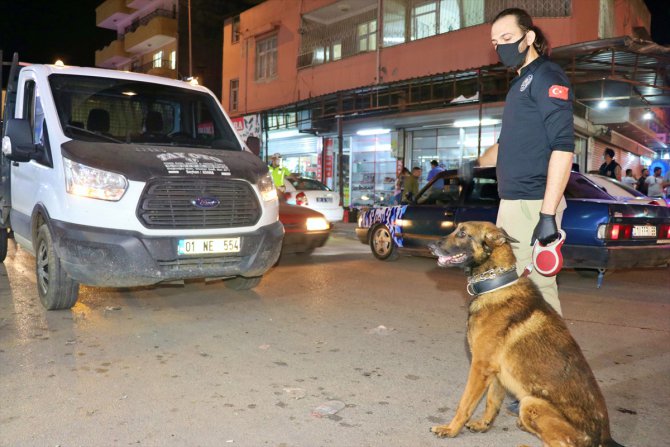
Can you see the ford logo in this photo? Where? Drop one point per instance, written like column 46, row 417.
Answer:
column 205, row 202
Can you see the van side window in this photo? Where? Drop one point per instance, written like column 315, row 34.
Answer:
column 34, row 112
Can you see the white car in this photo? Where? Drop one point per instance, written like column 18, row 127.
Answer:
column 315, row 195
column 622, row 192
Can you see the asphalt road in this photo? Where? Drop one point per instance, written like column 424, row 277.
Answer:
column 380, row 344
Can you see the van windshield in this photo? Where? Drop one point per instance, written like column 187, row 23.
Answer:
column 125, row 111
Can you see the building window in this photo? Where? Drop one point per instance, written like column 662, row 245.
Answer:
column 367, row 36
column 424, row 20
column 266, row 59
column 235, row 36
column 337, row 51
column 158, row 59
column 234, row 94
column 173, row 60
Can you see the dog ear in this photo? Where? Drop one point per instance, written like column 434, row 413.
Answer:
column 508, row 238
column 497, row 238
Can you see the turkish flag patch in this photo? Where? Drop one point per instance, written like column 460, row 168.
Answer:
column 558, row 91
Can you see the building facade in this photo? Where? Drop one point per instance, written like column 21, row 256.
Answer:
column 177, row 39
column 146, row 33
column 350, row 91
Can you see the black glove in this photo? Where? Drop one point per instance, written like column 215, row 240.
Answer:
column 546, row 230
column 466, row 170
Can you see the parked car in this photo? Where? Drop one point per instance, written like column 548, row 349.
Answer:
column 601, row 232
column 304, row 228
column 315, row 195
column 622, row 192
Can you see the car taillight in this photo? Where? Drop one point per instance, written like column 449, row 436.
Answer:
column 654, row 202
column 301, row 199
column 617, row 232
column 287, row 195
column 664, row 231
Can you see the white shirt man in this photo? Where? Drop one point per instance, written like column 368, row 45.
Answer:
column 629, row 179
column 654, row 184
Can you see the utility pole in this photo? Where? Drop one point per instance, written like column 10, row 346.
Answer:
column 190, row 43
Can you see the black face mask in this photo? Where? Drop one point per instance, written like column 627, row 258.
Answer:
column 509, row 53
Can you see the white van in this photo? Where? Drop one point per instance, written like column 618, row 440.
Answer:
column 121, row 179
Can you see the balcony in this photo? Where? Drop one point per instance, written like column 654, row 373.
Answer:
column 112, row 56
column 110, row 12
column 153, row 31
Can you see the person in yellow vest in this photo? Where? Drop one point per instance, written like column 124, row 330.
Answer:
column 278, row 172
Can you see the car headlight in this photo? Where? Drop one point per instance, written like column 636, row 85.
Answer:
column 317, row 224
column 267, row 188
column 84, row 181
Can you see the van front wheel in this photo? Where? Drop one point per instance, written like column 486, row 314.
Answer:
column 56, row 289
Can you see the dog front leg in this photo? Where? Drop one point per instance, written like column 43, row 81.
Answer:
column 494, row 398
column 474, row 390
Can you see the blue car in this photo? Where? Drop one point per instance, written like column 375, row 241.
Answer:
column 602, row 233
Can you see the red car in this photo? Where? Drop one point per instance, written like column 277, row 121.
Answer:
column 305, row 229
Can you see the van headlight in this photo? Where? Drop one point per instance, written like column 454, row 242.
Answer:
column 267, row 188
column 84, row 181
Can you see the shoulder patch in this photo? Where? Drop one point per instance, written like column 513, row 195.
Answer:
column 526, row 82
column 559, row 91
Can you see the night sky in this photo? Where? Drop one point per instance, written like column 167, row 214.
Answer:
column 45, row 30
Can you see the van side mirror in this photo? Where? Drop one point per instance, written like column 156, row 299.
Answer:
column 17, row 144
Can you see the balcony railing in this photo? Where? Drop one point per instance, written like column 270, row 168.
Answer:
column 147, row 18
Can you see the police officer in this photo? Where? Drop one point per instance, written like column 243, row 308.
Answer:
column 278, row 172
column 533, row 155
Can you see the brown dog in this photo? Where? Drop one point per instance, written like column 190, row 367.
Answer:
column 519, row 344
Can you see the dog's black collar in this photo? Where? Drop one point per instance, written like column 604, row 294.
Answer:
column 491, row 280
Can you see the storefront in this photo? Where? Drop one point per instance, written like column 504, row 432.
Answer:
column 374, row 151
column 300, row 152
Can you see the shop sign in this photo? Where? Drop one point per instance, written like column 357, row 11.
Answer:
column 247, row 126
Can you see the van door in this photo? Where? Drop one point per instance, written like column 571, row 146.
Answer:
column 28, row 178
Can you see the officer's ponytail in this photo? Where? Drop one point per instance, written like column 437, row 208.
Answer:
column 525, row 22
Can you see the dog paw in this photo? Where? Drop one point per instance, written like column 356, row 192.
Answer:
column 479, row 426
column 444, row 431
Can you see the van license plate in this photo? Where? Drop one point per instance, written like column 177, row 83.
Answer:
column 208, row 246
column 644, row 231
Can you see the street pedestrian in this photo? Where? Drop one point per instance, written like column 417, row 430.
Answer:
column 411, row 185
column 642, row 182
column 533, row 156
column 400, row 185
column 655, row 183
column 629, row 179
column 610, row 168
column 434, row 170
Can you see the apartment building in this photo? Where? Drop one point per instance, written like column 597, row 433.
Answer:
column 348, row 91
column 146, row 33
column 172, row 38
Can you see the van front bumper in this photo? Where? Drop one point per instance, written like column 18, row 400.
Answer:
column 113, row 258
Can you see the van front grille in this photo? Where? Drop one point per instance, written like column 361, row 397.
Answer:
column 170, row 203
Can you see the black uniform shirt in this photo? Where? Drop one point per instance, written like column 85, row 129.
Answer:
column 537, row 120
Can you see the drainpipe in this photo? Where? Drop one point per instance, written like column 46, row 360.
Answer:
column 380, row 37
